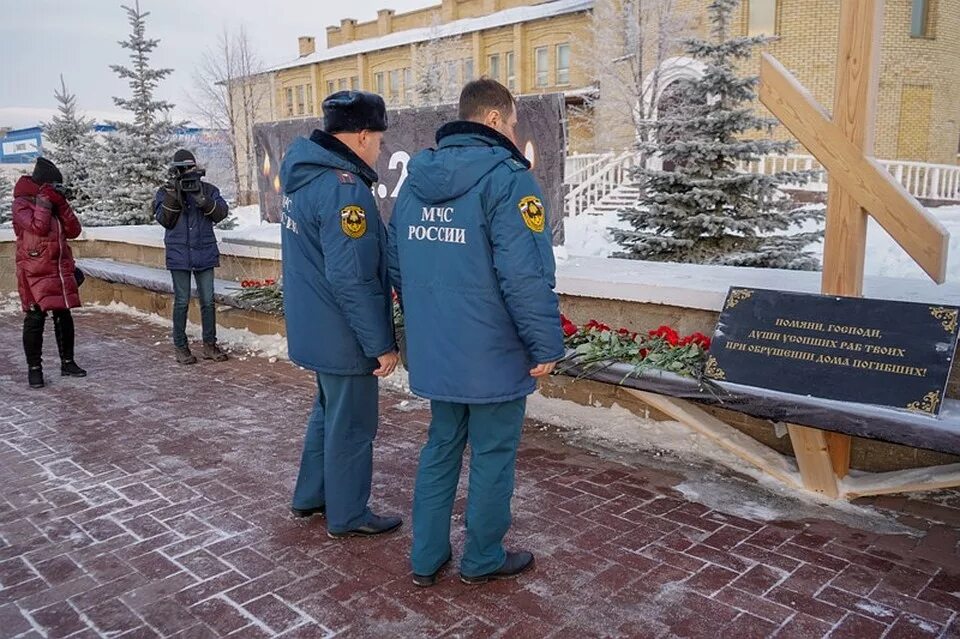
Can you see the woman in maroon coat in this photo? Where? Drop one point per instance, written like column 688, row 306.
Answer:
column 46, row 275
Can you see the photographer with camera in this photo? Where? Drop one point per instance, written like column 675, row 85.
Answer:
column 46, row 274
column 189, row 208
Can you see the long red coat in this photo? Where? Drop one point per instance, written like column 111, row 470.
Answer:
column 43, row 222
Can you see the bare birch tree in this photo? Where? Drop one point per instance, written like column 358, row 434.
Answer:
column 229, row 96
column 631, row 41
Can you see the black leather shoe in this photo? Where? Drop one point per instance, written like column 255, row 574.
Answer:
column 308, row 512
column 376, row 526
column 425, row 581
column 516, row 563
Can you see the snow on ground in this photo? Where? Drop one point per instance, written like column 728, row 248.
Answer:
column 250, row 227
column 589, row 236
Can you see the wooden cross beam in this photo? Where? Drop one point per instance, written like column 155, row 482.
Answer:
column 858, row 187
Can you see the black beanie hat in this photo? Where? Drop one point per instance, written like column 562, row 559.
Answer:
column 352, row 111
column 184, row 156
column 46, row 172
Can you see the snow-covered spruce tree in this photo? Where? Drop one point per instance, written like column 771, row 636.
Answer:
column 73, row 147
column 435, row 69
column 6, row 199
column 700, row 209
column 135, row 158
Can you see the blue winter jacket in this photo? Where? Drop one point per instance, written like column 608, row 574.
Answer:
column 336, row 291
column 471, row 256
column 190, row 242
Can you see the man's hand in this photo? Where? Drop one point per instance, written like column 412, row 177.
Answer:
column 171, row 196
column 388, row 363
column 203, row 202
column 543, row 370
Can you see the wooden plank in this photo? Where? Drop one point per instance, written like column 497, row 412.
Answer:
column 813, row 458
column 743, row 446
column 902, row 481
column 915, row 229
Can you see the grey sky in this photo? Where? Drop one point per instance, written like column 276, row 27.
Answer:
column 40, row 39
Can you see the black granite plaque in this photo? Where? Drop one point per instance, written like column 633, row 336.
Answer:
column 895, row 354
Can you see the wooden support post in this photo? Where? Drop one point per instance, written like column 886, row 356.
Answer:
column 813, row 458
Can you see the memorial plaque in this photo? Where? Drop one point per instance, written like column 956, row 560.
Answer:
column 895, row 354
column 540, row 136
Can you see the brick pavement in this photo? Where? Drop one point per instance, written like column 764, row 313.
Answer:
column 150, row 500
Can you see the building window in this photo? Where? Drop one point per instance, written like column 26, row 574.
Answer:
column 493, row 67
column 342, row 84
column 331, row 87
column 289, row 100
column 762, row 17
column 408, row 85
column 563, row 64
column 540, row 63
column 394, row 84
column 511, row 72
column 355, row 83
column 310, row 99
column 301, row 100
column 467, row 70
column 378, row 83
column 920, row 19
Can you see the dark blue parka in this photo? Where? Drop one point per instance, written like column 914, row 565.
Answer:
column 190, row 242
column 471, row 256
column 336, row 292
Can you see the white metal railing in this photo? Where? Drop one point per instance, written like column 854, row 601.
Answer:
column 597, row 175
column 921, row 179
column 606, row 179
column 583, row 166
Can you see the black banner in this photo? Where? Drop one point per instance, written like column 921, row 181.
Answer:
column 895, row 354
column 540, row 135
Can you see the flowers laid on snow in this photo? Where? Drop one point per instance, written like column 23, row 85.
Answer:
column 596, row 345
column 257, row 283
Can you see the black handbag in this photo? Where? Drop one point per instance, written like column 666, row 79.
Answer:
column 79, row 276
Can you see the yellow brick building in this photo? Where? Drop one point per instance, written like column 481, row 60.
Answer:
column 536, row 46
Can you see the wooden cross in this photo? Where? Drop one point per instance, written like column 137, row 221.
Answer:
column 858, row 186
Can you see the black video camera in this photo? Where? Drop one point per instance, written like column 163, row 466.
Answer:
column 186, row 176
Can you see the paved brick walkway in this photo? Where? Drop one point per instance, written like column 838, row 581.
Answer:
column 150, row 500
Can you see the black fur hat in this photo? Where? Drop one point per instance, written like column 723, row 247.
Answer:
column 46, row 172
column 352, row 111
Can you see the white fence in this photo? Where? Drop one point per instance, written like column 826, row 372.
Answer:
column 920, row 179
column 602, row 180
column 591, row 177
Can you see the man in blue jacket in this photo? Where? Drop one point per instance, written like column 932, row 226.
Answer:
column 471, row 257
column 338, row 307
column 189, row 208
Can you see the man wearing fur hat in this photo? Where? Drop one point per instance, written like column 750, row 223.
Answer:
column 188, row 208
column 338, row 307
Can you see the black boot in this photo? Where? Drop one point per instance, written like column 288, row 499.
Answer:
column 70, row 369
column 35, row 376
column 33, row 323
column 64, row 331
column 515, row 563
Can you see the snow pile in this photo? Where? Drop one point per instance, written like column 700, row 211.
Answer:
column 589, row 236
column 250, row 227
